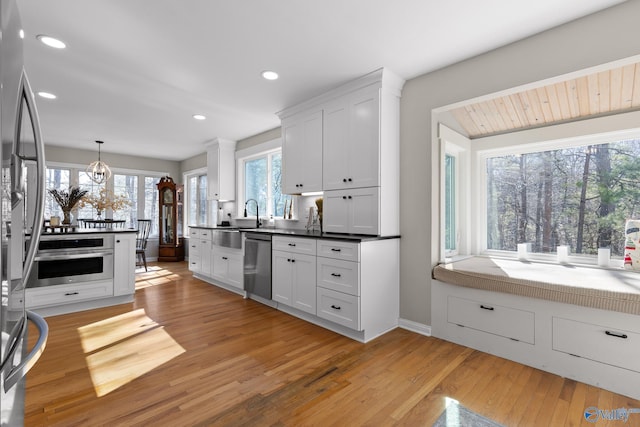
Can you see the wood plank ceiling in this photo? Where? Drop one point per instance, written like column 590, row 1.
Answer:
column 606, row 92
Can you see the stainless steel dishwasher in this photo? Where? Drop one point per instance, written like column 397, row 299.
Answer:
column 257, row 264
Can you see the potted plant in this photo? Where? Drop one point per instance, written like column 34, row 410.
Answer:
column 67, row 200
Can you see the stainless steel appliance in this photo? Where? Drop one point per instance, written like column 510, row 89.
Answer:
column 257, row 264
column 21, row 207
column 72, row 259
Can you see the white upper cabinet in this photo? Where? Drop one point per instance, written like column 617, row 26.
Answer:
column 351, row 150
column 360, row 149
column 221, row 170
column 302, row 152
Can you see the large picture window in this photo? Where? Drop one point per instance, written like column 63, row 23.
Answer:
column 138, row 188
column 575, row 196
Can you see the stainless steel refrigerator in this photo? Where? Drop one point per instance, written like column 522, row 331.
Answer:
column 22, row 154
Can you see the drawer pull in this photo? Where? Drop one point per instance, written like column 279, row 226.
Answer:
column 336, row 274
column 336, row 250
column 76, row 293
column 486, row 307
column 291, row 260
column 617, row 335
column 292, row 244
column 335, row 307
column 224, row 257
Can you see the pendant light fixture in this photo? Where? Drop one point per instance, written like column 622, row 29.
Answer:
column 98, row 171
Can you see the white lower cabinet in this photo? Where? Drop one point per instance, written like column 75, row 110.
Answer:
column 294, row 274
column 355, row 287
column 339, row 307
column 67, row 294
column 200, row 251
column 594, row 346
column 227, row 266
column 124, row 264
column 614, row 346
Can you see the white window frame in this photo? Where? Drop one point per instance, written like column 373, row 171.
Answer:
column 474, row 216
column 185, row 179
column 268, row 148
column 458, row 146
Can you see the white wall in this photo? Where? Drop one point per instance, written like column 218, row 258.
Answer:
column 84, row 157
column 610, row 35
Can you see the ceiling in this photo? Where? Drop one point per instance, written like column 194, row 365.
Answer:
column 596, row 94
column 134, row 72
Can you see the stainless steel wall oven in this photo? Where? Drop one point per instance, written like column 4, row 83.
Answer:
column 72, row 259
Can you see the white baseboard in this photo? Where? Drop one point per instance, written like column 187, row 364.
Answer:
column 416, row 327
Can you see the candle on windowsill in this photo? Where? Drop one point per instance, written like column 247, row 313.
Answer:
column 523, row 251
column 563, row 254
column 604, row 254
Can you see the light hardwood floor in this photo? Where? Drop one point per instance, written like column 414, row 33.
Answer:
column 188, row 353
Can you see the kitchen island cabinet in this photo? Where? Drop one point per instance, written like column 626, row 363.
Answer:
column 114, row 284
column 124, row 264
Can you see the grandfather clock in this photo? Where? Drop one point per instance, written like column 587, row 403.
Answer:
column 171, row 246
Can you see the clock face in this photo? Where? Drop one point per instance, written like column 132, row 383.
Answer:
column 167, row 197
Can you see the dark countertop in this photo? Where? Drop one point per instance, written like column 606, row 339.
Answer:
column 78, row 230
column 301, row 233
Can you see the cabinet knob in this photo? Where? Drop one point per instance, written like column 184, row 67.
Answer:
column 344, row 197
column 224, row 257
column 117, row 241
column 350, row 197
column 350, row 180
column 344, row 179
column 335, row 307
column 291, row 244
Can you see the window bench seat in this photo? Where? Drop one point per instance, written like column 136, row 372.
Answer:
column 606, row 289
column 578, row 322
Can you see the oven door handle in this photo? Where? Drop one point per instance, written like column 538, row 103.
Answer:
column 73, row 256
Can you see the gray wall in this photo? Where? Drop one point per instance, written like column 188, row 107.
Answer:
column 195, row 162
column 603, row 37
column 84, row 157
column 259, row 138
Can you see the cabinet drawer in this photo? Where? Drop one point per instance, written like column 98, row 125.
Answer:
column 494, row 319
column 65, row 294
column 200, row 233
column 339, row 308
column 294, row 244
column 613, row 346
column 339, row 250
column 341, row 276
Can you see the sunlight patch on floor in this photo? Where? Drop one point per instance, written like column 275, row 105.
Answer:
column 154, row 277
column 125, row 347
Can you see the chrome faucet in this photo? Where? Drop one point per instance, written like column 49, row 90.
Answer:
column 257, row 211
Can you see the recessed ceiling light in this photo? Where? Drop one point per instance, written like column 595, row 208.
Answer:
column 270, row 75
column 47, row 95
column 199, row 117
column 51, row 42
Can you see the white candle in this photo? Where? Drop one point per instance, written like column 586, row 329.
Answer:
column 603, row 257
column 563, row 254
column 523, row 249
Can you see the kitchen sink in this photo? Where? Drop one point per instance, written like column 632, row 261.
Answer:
column 227, row 238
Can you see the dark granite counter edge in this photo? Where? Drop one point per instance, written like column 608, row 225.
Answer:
column 89, row 231
column 302, row 233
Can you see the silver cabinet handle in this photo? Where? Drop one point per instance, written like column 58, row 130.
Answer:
column 18, row 372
